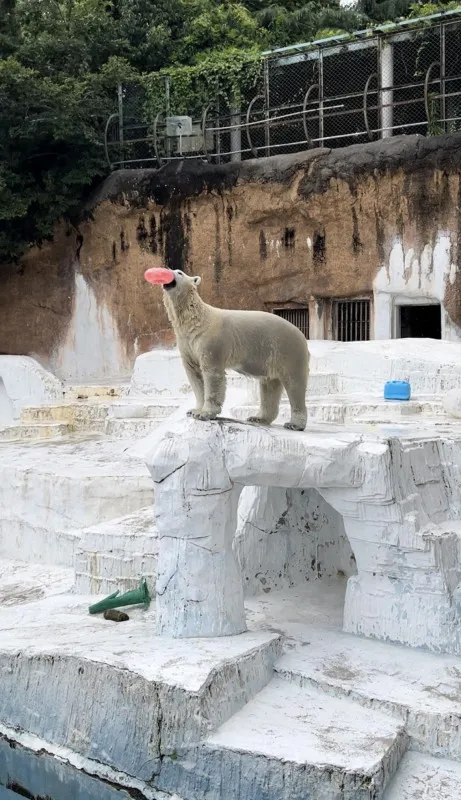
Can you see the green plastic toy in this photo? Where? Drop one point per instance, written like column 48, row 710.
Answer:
column 135, row 597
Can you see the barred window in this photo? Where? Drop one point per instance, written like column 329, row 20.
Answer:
column 351, row 320
column 299, row 317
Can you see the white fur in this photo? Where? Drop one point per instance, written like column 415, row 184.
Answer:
column 255, row 343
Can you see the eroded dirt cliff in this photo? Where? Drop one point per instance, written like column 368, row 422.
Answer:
column 262, row 234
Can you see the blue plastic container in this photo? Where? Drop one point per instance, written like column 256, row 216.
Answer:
column 397, row 390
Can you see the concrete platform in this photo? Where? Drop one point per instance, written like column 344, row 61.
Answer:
column 127, row 698
column 333, row 713
column 49, row 492
column 23, row 583
column 421, row 777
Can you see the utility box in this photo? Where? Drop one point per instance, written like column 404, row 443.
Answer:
column 179, row 126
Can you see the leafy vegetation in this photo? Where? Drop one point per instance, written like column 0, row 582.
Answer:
column 61, row 61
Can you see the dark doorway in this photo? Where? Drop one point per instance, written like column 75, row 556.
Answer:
column 420, row 322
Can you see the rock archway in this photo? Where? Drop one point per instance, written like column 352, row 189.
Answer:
column 400, row 503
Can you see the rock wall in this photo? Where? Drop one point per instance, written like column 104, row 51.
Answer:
column 381, row 220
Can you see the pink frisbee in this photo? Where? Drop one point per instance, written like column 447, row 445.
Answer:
column 159, row 276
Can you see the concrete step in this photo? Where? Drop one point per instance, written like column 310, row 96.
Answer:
column 117, row 554
column 112, row 390
column 319, row 384
column 89, row 416
column 130, row 428
column 349, row 410
column 50, row 492
column 422, row 777
column 135, row 408
column 291, row 743
column 34, row 432
column 421, row 687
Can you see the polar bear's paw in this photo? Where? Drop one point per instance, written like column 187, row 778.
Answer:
column 193, row 412
column 294, row 426
column 202, row 415
column 258, row 420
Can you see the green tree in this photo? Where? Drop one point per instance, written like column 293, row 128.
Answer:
column 61, row 61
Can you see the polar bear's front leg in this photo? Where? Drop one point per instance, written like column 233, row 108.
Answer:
column 215, row 392
column 196, row 381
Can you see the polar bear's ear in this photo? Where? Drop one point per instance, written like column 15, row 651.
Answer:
column 197, row 280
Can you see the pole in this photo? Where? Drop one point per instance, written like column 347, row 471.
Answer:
column 120, row 122
column 386, row 71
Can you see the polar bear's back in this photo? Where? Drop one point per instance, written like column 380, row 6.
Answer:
column 263, row 344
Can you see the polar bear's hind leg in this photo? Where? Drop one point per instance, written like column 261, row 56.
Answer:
column 296, row 391
column 271, row 392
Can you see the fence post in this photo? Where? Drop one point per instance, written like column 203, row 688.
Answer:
column 217, row 126
column 236, row 133
column 386, row 91
column 267, row 141
column 120, row 122
column 167, row 115
column 443, row 105
column 321, row 90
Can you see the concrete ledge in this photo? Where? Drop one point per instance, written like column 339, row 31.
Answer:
column 126, row 698
column 60, row 488
column 26, row 383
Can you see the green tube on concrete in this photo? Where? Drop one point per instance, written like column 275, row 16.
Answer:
column 135, row 597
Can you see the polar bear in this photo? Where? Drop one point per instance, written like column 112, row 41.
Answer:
column 256, row 343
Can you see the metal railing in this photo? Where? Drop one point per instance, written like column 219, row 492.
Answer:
column 332, row 93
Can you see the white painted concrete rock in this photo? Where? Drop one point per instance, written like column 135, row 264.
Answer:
column 452, row 403
column 49, row 492
column 400, row 502
column 23, row 382
column 336, row 368
column 159, row 372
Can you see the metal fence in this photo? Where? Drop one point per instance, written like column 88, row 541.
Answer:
column 333, row 93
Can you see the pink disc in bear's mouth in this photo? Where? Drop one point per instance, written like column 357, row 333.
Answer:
column 159, row 276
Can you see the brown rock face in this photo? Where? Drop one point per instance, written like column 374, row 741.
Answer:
column 269, row 233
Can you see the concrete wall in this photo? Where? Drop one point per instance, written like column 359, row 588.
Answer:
column 379, row 221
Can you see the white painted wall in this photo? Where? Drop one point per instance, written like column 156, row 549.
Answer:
column 409, row 278
column 92, row 349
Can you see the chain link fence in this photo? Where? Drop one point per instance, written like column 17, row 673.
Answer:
column 332, row 93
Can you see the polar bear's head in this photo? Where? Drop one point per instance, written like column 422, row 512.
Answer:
column 174, row 281
column 181, row 282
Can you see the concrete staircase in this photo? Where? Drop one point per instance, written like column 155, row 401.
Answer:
column 297, row 743
column 116, row 554
column 90, row 410
column 51, row 491
column 343, row 717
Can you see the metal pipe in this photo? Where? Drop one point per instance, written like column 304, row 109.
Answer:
column 305, row 111
column 365, row 32
column 371, row 77
column 120, row 118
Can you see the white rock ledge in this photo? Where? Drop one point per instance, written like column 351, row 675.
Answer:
column 125, row 697
column 399, row 498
